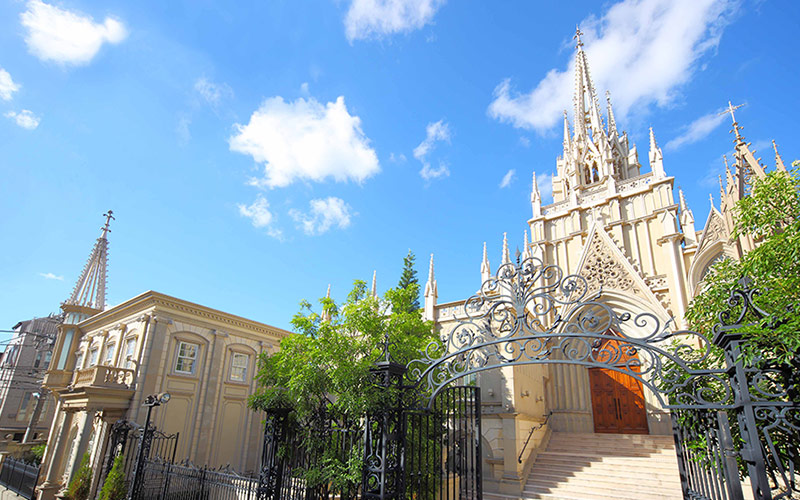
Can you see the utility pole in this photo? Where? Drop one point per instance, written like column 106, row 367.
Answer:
column 41, row 396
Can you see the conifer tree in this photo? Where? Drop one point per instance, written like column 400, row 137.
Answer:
column 81, row 482
column 114, row 487
column 409, row 277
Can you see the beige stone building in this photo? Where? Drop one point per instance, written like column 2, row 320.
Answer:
column 106, row 361
column 618, row 224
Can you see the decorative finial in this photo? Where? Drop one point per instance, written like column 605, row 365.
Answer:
column 374, row 283
column 778, row 160
column 711, row 199
column 578, row 34
column 328, row 295
column 517, row 255
column 109, row 217
column 731, row 109
column 431, row 276
column 506, row 256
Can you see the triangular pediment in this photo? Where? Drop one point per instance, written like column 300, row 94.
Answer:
column 605, row 267
column 713, row 231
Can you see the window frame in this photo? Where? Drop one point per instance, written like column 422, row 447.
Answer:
column 129, row 363
column 108, row 354
column 245, row 368
column 179, row 357
column 94, row 354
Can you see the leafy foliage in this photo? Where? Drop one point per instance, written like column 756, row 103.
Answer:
column 81, row 483
column 771, row 216
column 38, row 452
column 408, row 278
column 114, row 487
column 323, row 373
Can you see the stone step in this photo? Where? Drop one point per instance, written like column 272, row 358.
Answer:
column 599, row 461
column 614, row 450
column 598, row 494
column 614, row 475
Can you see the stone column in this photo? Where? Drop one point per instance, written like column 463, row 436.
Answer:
column 81, row 444
column 56, row 449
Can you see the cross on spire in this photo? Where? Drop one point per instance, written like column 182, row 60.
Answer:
column 577, row 37
column 731, row 109
column 109, row 217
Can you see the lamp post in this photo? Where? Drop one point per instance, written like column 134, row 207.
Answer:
column 150, row 402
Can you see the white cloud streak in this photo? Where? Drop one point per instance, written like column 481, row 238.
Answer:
column 376, row 19
column 434, row 132
column 7, row 85
column 506, row 181
column 643, row 51
column 305, row 140
column 697, row 130
column 67, row 37
column 545, row 182
column 260, row 216
column 51, row 276
column 212, row 92
column 25, row 119
column 323, row 215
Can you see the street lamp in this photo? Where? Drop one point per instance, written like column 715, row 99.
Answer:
column 144, row 444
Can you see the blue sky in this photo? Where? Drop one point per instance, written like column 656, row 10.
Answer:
column 254, row 152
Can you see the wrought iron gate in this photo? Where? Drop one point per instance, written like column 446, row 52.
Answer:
column 443, row 447
column 724, row 411
column 125, row 438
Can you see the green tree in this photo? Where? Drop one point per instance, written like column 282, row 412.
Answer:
column 408, row 279
column 771, row 338
column 771, row 216
column 325, row 368
column 81, row 482
column 114, row 487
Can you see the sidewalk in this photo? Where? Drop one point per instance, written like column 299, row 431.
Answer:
column 9, row 495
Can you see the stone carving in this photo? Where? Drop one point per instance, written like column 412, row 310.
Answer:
column 603, row 269
column 714, row 231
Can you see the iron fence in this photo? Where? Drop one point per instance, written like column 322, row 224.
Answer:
column 167, row 481
column 19, row 476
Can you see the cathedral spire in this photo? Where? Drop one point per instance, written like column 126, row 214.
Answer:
column 90, row 289
column 526, row 251
column 486, row 270
column 326, row 314
column 687, row 220
column 506, row 257
column 778, row 160
column 612, row 122
column 567, row 138
column 536, row 198
column 736, row 128
column 431, row 294
column 656, row 157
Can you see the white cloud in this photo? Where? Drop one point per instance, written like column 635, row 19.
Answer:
column 260, row 216
column 51, row 276
column 324, row 214
column 397, row 158
column 212, row 92
column 25, row 119
column 7, row 85
column 378, row 18
column 640, row 50
column 697, row 130
column 305, row 140
column 434, row 132
column 67, row 37
column 184, row 134
column 507, row 179
column 524, row 142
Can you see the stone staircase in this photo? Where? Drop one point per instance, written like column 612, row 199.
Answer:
column 606, row 467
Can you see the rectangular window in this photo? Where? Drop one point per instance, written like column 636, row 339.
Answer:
column 93, row 356
column 187, row 357
column 107, row 359
column 239, row 363
column 79, row 360
column 130, row 352
column 24, row 407
column 38, row 360
column 65, row 349
column 48, row 356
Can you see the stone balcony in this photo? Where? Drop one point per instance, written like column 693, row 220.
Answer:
column 104, row 376
column 57, row 379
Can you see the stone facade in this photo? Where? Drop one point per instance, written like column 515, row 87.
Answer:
column 621, row 229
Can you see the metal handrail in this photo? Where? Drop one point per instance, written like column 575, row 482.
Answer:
column 533, row 429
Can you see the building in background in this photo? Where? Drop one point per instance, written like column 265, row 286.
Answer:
column 625, row 233
column 107, row 361
column 26, row 410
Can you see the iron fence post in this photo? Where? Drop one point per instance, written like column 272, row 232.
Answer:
column 730, row 467
column 751, row 451
column 384, row 453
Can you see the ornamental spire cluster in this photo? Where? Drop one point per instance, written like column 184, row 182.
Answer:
column 90, row 289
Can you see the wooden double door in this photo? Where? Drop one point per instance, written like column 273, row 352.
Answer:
column 617, row 398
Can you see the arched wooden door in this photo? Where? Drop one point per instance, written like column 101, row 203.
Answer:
column 617, row 398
